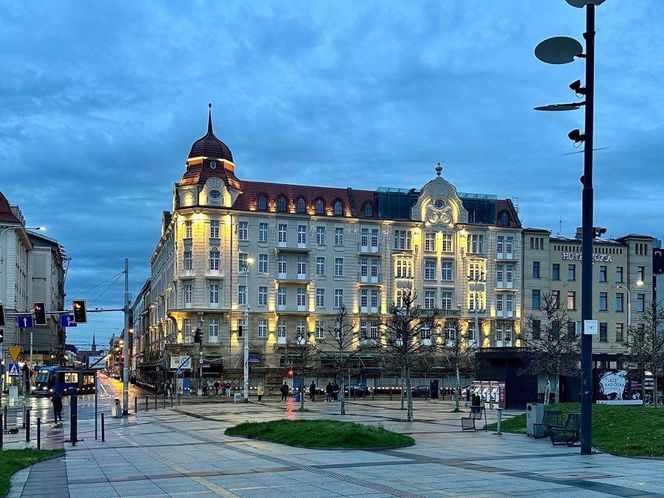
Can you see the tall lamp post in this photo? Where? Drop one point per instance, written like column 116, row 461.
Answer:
column 629, row 288
column 563, row 50
column 245, row 331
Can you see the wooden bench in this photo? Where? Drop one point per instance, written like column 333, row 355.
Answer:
column 566, row 434
column 551, row 417
column 476, row 413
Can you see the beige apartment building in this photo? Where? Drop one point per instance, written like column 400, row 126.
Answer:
column 277, row 261
column 622, row 281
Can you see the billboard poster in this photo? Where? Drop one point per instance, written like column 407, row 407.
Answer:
column 617, row 387
column 490, row 392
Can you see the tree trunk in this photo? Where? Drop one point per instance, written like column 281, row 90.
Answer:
column 556, row 390
column 654, row 389
column 409, row 395
column 302, row 390
column 402, row 393
column 342, row 396
column 458, row 388
column 547, row 390
column 642, row 374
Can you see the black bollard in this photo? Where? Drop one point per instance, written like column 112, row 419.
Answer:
column 38, row 433
column 2, row 432
column 103, row 435
column 27, row 425
column 178, row 399
column 4, row 426
column 147, row 405
column 164, row 401
column 135, row 404
column 73, row 419
column 23, row 419
column 155, row 401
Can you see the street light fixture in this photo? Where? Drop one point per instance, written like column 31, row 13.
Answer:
column 245, row 332
column 562, row 50
column 629, row 288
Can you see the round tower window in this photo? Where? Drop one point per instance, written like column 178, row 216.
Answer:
column 439, row 203
column 215, row 194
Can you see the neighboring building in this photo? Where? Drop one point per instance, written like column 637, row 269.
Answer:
column 141, row 356
column 32, row 269
column 310, row 249
column 622, row 283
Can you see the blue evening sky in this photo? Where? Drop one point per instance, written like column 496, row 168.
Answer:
column 100, row 102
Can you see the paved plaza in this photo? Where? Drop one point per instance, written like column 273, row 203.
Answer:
column 182, row 451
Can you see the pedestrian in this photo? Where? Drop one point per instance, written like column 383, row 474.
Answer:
column 312, row 391
column 56, row 399
column 259, row 392
column 335, row 391
column 328, row 392
column 284, row 391
column 216, row 388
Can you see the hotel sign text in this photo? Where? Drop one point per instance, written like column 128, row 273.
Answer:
column 577, row 256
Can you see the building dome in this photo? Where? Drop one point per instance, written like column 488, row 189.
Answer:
column 209, row 145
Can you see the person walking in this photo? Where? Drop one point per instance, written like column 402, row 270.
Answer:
column 259, row 392
column 335, row 391
column 284, row 392
column 312, row 391
column 56, row 399
column 328, row 392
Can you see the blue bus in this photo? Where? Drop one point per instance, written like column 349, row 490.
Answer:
column 65, row 380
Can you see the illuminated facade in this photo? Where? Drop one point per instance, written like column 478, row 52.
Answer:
column 295, row 253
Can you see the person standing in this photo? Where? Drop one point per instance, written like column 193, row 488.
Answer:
column 56, row 399
column 284, row 392
column 312, row 391
column 328, row 392
column 335, row 391
column 259, row 392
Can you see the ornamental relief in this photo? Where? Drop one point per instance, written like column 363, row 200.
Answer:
column 439, row 212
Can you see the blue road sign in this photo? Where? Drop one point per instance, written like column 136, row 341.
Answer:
column 67, row 321
column 14, row 370
column 24, row 321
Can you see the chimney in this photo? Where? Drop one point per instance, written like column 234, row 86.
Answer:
column 579, row 233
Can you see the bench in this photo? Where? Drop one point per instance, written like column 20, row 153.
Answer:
column 551, row 417
column 476, row 413
column 566, row 434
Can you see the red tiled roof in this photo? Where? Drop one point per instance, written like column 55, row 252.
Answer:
column 352, row 199
column 198, row 174
column 6, row 214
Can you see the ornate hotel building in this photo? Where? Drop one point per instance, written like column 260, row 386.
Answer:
column 277, row 261
column 293, row 254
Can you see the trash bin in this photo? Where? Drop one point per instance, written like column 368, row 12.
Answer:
column 534, row 415
column 237, row 398
column 297, row 397
column 118, row 409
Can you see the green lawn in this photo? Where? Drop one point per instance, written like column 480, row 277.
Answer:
column 321, row 434
column 620, row 430
column 14, row 460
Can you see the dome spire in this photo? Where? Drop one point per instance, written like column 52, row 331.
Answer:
column 439, row 169
column 210, row 119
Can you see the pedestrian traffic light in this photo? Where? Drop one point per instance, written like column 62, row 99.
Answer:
column 2, row 315
column 39, row 309
column 290, row 373
column 80, row 315
column 198, row 336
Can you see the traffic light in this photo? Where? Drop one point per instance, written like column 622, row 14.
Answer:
column 80, row 315
column 2, row 315
column 39, row 309
column 198, row 336
column 2, row 338
column 239, row 331
column 290, row 372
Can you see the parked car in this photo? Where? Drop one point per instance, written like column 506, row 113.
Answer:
column 420, row 391
column 358, row 390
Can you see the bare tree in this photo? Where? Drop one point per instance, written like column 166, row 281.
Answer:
column 340, row 348
column 457, row 353
column 645, row 343
column 551, row 349
column 405, row 333
column 302, row 354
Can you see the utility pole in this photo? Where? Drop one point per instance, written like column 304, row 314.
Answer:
column 125, row 345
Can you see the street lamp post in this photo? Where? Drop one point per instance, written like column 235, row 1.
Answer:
column 562, row 50
column 245, row 331
column 629, row 288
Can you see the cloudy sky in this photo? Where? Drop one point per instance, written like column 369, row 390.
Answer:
column 100, row 102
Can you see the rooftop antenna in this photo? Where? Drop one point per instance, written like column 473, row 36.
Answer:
column 560, row 226
column 515, row 201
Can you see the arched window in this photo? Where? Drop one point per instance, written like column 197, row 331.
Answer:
column 338, row 208
column 214, row 259
column 301, row 205
column 503, row 219
column 282, row 204
column 320, row 206
column 262, row 202
column 368, row 210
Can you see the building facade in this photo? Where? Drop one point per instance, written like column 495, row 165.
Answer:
column 277, row 261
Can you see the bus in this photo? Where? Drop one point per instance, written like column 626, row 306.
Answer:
column 64, row 380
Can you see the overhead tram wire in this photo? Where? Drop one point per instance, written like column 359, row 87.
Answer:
column 100, row 283
column 106, row 289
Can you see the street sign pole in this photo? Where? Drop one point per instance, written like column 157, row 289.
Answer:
column 125, row 346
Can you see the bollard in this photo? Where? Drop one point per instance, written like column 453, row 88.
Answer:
column 2, row 432
column 155, row 401
column 171, row 401
column 4, row 425
column 178, row 399
column 103, row 435
column 135, row 404
column 23, row 419
column 164, row 401
column 147, row 405
column 499, row 420
column 27, row 425
column 73, row 419
column 38, row 433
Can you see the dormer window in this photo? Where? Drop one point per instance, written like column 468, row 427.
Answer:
column 368, row 210
column 215, row 194
column 213, row 164
column 338, row 207
column 503, row 219
column 301, row 206
column 262, row 202
column 320, row 206
column 282, row 204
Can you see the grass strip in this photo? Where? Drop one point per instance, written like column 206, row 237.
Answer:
column 329, row 434
column 619, row 430
column 14, row 460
